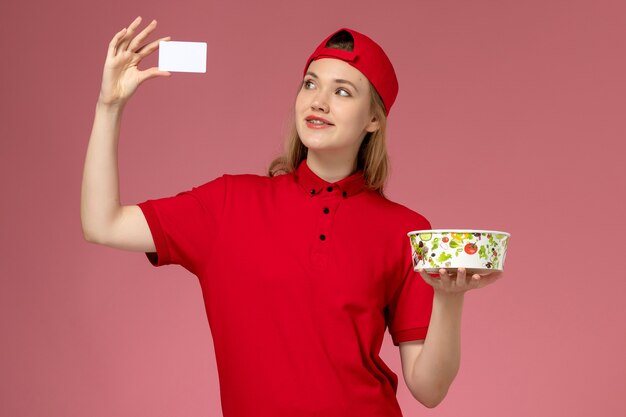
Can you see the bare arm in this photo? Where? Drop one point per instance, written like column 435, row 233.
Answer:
column 100, row 195
column 438, row 361
column 103, row 219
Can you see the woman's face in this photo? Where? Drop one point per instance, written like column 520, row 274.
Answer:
column 344, row 105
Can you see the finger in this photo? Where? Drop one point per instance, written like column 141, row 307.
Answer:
column 427, row 277
column 473, row 281
column 461, row 277
column 113, row 43
column 430, row 274
column 486, row 280
column 129, row 33
column 136, row 19
column 147, row 49
column 446, row 278
column 142, row 35
column 483, row 282
column 152, row 73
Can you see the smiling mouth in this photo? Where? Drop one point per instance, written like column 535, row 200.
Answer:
column 322, row 125
column 316, row 122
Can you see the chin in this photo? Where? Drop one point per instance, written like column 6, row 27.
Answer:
column 315, row 144
column 308, row 141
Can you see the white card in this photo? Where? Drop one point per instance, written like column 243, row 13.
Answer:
column 180, row 56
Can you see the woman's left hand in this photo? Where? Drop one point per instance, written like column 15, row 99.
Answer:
column 459, row 283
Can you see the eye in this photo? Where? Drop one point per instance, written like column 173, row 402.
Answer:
column 307, row 82
column 346, row 91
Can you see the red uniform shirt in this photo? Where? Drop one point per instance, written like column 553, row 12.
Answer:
column 300, row 279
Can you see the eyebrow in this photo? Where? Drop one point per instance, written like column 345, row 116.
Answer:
column 337, row 80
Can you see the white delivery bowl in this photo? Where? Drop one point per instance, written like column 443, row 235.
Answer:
column 478, row 251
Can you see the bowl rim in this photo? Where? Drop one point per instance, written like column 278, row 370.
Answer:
column 414, row 232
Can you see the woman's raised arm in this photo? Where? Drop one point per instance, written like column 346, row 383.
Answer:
column 103, row 219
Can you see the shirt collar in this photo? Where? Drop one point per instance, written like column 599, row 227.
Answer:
column 314, row 185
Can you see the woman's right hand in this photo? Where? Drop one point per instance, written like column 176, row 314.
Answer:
column 121, row 77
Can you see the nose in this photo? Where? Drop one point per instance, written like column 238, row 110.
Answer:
column 320, row 102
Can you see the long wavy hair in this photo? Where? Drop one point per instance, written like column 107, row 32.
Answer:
column 372, row 157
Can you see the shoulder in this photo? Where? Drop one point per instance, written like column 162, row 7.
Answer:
column 256, row 181
column 241, row 186
column 403, row 216
column 238, row 180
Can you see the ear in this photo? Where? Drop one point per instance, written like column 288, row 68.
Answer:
column 373, row 125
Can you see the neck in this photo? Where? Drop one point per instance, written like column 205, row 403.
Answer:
column 331, row 168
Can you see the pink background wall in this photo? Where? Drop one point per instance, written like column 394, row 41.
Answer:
column 510, row 117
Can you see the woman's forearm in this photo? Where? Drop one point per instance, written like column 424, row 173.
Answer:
column 100, row 196
column 438, row 363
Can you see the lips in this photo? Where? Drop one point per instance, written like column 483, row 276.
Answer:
column 309, row 118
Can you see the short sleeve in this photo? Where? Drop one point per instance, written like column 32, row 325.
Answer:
column 185, row 226
column 410, row 307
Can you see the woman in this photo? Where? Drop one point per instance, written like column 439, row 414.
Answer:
column 301, row 273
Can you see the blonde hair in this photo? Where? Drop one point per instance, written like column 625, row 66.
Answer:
column 372, row 157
